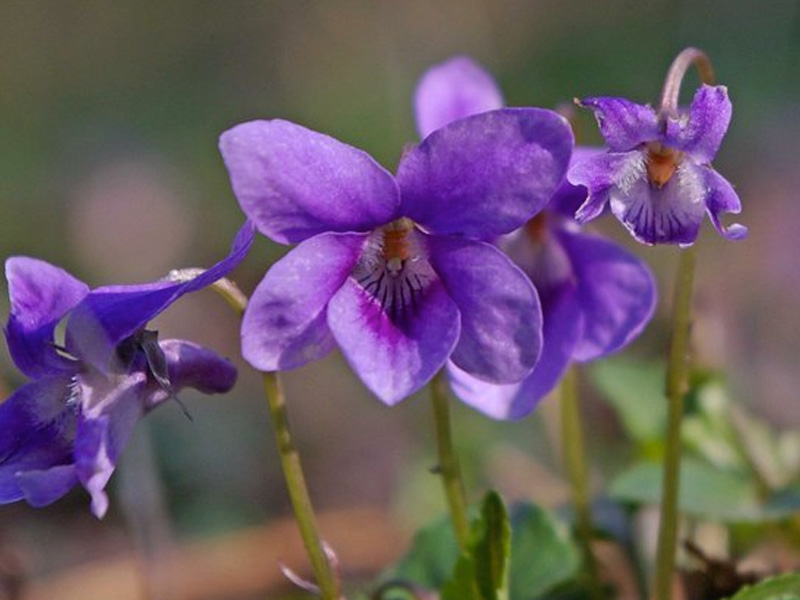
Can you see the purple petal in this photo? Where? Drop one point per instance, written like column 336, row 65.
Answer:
column 295, row 183
column 616, row 293
column 570, row 197
column 487, row 174
column 112, row 313
column 112, row 407
column 41, row 295
column 394, row 359
column 668, row 215
column 192, row 365
column 623, row 124
column 501, row 318
column 38, row 429
column 699, row 133
column 44, row 487
column 722, row 198
column 561, row 331
column 451, row 90
column 600, row 173
column 285, row 325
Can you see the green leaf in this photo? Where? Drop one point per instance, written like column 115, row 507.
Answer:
column 543, row 555
column 481, row 572
column 635, row 389
column 492, row 548
column 783, row 587
column 432, row 557
column 705, row 491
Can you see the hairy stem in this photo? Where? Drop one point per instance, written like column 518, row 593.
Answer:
column 677, row 370
column 448, row 461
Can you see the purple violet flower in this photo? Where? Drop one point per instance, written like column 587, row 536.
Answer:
column 392, row 268
column 657, row 176
column 69, row 424
column 595, row 296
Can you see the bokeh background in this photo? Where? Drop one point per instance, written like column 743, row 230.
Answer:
column 109, row 119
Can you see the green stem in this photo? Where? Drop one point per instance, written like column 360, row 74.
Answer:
column 448, row 461
column 298, row 490
column 299, row 497
column 677, row 370
column 575, row 462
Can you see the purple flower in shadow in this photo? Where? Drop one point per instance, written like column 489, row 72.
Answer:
column 656, row 176
column 595, row 296
column 70, row 423
column 393, row 269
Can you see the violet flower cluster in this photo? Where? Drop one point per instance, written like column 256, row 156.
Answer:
column 595, row 296
column 70, row 423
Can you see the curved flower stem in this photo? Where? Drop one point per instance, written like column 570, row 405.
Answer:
column 448, row 461
column 677, row 370
column 575, row 462
column 290, row 462
column 677, row 70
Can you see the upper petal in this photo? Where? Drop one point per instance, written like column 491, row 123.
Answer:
column 699, row 133
column 112, row 313
column 487, row 174
column 616, row 292
column 562, row 327
column 623, row 124
column 285, row 324
column 192, row 365
column 394, row 357
column 294, row 183
column 722, row 198
column 501, row 319
column 41, row 295
column 451, row 90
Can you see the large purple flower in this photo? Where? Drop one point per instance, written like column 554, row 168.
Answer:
column 392, row 269
column 595, row 296
column 69, row 424
column 657, row 176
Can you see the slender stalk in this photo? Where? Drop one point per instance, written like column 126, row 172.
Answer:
column 575, row 461
column 672, row 82
column 290, row 462
column 298, row 490
column 448, row 461
column 677, row 370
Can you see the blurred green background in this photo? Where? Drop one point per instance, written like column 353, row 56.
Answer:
column 109, row 119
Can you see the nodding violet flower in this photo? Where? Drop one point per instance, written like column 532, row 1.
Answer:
column 70, row 423
column 393, row 269
column 595, row 296
column 657, row 176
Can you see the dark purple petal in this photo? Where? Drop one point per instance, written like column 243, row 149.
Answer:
column 111, row 409
column 394, row 359
column 722, row 198
column 192, row 365
column 699, row 133
column 600, row 173
column 46, row 486
column 570, row 197
column 285, row 325
column 110, row 314
column 668, row 215
column 487, row 174
column 561, row 331
column 623, row 124
column 616, row 293
column 294, row 183
column 501, row 319
column 41, row 295
column 452, row 90
column 38, row 426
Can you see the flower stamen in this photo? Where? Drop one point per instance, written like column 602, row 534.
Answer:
column 662, row 162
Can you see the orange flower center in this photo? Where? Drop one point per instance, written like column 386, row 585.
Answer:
column 661, row 164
